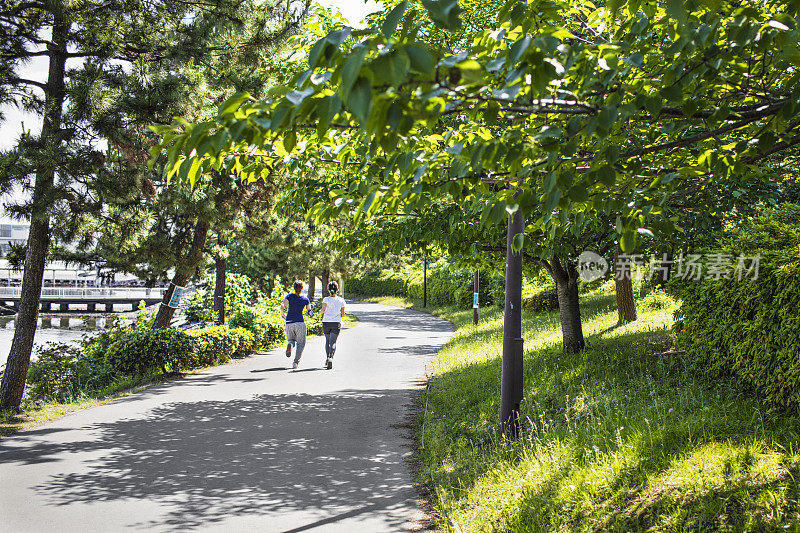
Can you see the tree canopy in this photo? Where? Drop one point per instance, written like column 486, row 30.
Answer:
column 565, row 108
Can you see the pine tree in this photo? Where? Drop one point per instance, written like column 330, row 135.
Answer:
column 114, row 67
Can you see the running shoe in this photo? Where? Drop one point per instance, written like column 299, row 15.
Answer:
column 329, row 363
column 288, row 350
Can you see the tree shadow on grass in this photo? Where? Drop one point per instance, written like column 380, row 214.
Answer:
column 206, row 461
column 628, row 381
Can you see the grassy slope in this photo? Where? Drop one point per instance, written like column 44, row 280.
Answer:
column 621, row 437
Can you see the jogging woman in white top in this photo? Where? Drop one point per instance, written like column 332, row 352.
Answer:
column 332, row 313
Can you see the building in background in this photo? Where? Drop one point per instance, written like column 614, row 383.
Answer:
column 12, row 232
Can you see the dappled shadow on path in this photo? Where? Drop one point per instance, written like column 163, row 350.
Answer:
column 404, row 319
column 207, row 461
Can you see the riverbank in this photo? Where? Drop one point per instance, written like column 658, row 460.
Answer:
column 621, row 437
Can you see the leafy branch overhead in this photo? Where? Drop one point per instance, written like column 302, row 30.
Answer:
column 565, row 108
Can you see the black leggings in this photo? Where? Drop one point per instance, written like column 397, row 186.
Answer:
column 331, row 331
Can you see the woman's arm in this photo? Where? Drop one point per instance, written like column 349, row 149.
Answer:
column 324, row 307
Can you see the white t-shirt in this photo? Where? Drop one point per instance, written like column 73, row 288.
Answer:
column 333, row 309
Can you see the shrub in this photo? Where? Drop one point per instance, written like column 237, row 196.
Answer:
column 446, row 285
column 54, row 374
column 212, row 345
column 543, row 300
column 378, row 283
column 245, row 342
column 62, row 372
column 140, row 351
column 217, row 344
column 656, row 300
column 750, row 329
column 266, row 324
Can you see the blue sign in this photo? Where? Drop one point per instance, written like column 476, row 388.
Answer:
column 474, row 300
column 175, row 300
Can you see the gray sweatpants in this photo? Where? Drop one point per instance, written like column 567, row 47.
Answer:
column 296, row 336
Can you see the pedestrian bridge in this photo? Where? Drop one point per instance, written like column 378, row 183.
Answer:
column 86, row 298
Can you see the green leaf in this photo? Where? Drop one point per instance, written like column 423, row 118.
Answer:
column 233, row 103
column 517, row 242
column 672, row 93
column 290, row 140
column 636, row 59
column 389, row 25
column 653, row 104
column 677, row 10
column 421, row 59
column 351, row 68
column 360, row 99
column 628, row 241
column 316, row 51
column 578, row 193
column 549, row 182
column 444, row 13
column 552, row 200
column 606, row 175
column 517, row 49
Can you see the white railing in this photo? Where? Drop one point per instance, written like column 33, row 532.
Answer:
column 89, row 293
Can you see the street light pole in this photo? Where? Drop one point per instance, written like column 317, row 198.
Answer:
column 476, row 290
column 511, row 381
column 425, row 281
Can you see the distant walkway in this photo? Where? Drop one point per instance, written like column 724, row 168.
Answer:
column 249, row 446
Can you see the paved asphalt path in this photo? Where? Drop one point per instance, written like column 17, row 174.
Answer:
column 248, row 446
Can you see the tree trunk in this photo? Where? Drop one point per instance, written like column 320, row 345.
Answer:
column 325, row 278
column 16, row 372
column 663, row 274
column 626, row 305
column 183, row 272
column 312, row 285
column 221, row 267
column 511, row 378
column 566, row 278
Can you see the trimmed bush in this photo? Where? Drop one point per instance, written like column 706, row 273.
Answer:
column 268, row 327
column 245, row 342
column 216, row 345
column 213, row 345
column 750, row 329
column 142, row 351
column 378, row 283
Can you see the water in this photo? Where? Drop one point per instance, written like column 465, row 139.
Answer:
column 63, row 329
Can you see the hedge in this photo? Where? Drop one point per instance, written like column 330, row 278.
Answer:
column 446, row 286
column 216, row 345
column 63, row 372
column 449, row 286
column 750, row 329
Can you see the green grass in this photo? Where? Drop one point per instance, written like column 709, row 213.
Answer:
column 622, row 437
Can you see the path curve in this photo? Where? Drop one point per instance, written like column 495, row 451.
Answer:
column 249, row 446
